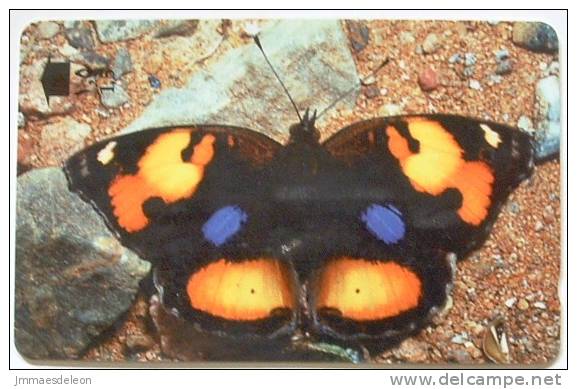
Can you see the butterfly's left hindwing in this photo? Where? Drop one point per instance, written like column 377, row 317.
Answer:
column 450, row 174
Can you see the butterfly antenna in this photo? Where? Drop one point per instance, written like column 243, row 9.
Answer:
column 257, row 41
column 357, row 84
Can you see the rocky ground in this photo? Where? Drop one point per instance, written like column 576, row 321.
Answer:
column 498, row 71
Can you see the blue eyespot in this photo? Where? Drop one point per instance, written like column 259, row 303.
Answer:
column 223, row 224
column 384, row 222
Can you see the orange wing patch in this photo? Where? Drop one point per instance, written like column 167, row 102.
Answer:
column 248, row 290
column 161, row 173
column 365, row 290
column 439, row 165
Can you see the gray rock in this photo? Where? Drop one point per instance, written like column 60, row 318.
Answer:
column 122, row 63
column 177, row 28
column 535, row 36
column 92, row 59
column 114, row 98
column 470, row 59
column 456, row 58
column 47, row 30
column 312, row 57
column 474, row 84
column 548, row 134
column 502, row 55
column 359, row 34
column 504, row 67
column 120, row 30
column 431, row 43
column 21, row 120
column 525, row 124
column 80, row 38
column 31, row 98
column 73, row 278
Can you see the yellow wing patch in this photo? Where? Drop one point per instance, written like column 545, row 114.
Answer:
column 439, row 165
column 492, row 137
column 248, row 290
column 365, row 290
column 161, row 173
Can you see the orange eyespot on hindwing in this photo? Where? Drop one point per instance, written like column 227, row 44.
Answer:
column 161, row 173
column 248, row 290
column 439, row 165
column 365, row 290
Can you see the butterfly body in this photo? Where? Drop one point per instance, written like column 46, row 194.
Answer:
column 350, row 240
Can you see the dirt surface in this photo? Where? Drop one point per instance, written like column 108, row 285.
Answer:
column 516, row 273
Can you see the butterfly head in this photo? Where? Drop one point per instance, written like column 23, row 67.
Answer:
column 305, row 131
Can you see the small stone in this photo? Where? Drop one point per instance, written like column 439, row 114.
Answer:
column 456, row 58
column 419, row 50
column 406, row 37
column 523, row 304
column 525, row 123
column 21, row 120
column 412, row 350
column 459, row 339
column 372, row 92
column 510, row 302
column 94, row 60
column 431, row 43
column 539, row 226
column 369, row 80
column 177, row 28
column 115, row 97
column 122, row 63
column 80, row 38
column 468, row 71
column 428, row 80
column 548, row 98
column 501, row 55
column 504, row 67
column 494, row 79
column 359, row 34
column 47, row 30
column 154, row 82
column 119, row 30
column 470, row 59
column 139, row 342
column 535, row 36
column 459, row 356
column 540, row 305
column 390, row 110
column 474, row 84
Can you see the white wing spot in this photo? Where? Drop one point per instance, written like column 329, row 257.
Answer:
column 107, row 153
column 492, row 137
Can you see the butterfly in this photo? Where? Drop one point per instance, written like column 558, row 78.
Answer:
column 256, row 245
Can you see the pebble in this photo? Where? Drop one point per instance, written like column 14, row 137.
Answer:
column 494, row 79
column 470, row 59
column 539, row 226
column 510, row 302
column 122, row 63
column 504, row 67
column 177, row 28
column 47, row 30
column 120, row 30
column 372, row 92
column 540, row 305
column 501, row 55
column 474, row 84
column 359, row 34
column 548, row 123
column 412, row 350
column 80, row 38
column 406, row 37
column 390, row 110
column 431, row 43
column 459, row 339
column 154, row 82
column 459, row 356
column 523, row 304
column 94, row 60
column 428, row 80
column 535, row 36
column 525, row 123
column 139, row 342
column 456, row 58
column 21, row 120
column 468, row 71
column 114, row 98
